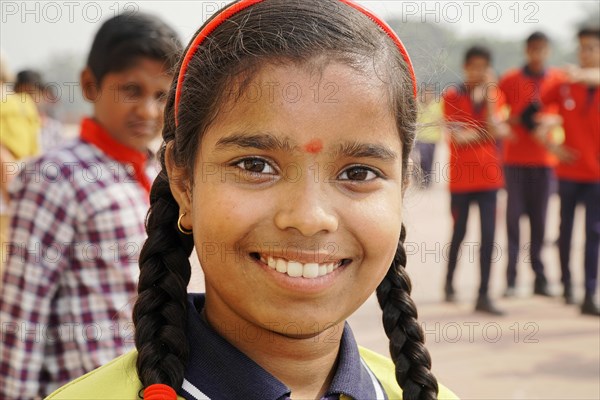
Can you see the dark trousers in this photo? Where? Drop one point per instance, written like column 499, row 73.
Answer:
column 426, row 152
column 571, row 193
column 528, row 190
column 459, row 204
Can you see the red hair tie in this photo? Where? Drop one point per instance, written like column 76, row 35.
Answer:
column 242, row 5
column 158, row 391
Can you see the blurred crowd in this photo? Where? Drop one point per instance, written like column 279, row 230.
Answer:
column 531, row 132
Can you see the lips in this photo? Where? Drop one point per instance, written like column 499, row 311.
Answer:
column 297, row 269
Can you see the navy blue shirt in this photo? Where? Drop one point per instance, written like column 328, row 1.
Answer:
column 219, row 371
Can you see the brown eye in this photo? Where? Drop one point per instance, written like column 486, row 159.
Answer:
column 358, row 174
column 255, row 165
column 131, row 90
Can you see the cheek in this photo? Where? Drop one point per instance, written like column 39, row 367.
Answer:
column 118, row 111
column 221, row 211
column 214, row 229
column 378, row 228
column 161, row 113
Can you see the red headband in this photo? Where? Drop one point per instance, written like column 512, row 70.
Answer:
column 243, row 4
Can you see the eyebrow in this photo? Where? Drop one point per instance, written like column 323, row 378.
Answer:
column 365, row 150
column 260, row 141
column 270, row 142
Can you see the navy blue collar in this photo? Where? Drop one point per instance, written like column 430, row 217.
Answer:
column 217, row 370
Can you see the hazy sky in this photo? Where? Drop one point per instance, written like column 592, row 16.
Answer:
column 31, row 31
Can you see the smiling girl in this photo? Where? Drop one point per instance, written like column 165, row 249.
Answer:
column 287, row 134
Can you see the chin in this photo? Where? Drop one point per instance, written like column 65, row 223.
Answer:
column 303, row 327
column 304, row 320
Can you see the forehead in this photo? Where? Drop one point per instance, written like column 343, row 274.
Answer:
column 537, row 44
column 477, row 61
column 143, row 69
column 307, row 103
column 589, row 40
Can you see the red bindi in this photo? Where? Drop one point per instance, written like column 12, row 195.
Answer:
column 314, row 146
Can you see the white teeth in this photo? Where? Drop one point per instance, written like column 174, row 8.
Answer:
column 282, row 266
column 310, row 270
column 322, row 269
column 296, row 269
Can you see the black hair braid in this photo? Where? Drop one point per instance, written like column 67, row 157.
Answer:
column 160, row 311
column 407, row 349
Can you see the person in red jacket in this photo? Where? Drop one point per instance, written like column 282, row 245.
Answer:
column 472, row 115
column 578, row 101
column 528, row 164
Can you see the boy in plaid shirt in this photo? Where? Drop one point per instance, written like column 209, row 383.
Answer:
column 78, row 217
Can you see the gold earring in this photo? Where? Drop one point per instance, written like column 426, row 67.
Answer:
column 181, row 228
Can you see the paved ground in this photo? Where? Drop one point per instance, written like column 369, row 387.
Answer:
column 542, row 349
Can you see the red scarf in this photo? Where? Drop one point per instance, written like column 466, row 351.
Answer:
column 93, row 133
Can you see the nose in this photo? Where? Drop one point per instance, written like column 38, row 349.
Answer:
column 149, row 108
column 307, row 209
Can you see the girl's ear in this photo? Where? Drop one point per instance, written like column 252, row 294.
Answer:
column 89, row 86
column 178, row 181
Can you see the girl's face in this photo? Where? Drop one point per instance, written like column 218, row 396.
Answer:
column 296, row 198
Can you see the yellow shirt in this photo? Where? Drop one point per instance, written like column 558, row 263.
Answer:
column 19, row 124
column 118, row 380
column 429, row 122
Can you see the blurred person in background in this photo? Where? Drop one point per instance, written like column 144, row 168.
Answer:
column 30, row 81
column 78, row 214
column 19, row 129
column 474, row 120
column 429, row 132
column 578, row 100
column 528, row 164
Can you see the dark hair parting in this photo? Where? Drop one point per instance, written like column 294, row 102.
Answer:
column 478, row 51
column 537, row 36
column 589, row 31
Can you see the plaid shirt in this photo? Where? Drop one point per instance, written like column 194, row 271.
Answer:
column 51, row 134
column 70, row 278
